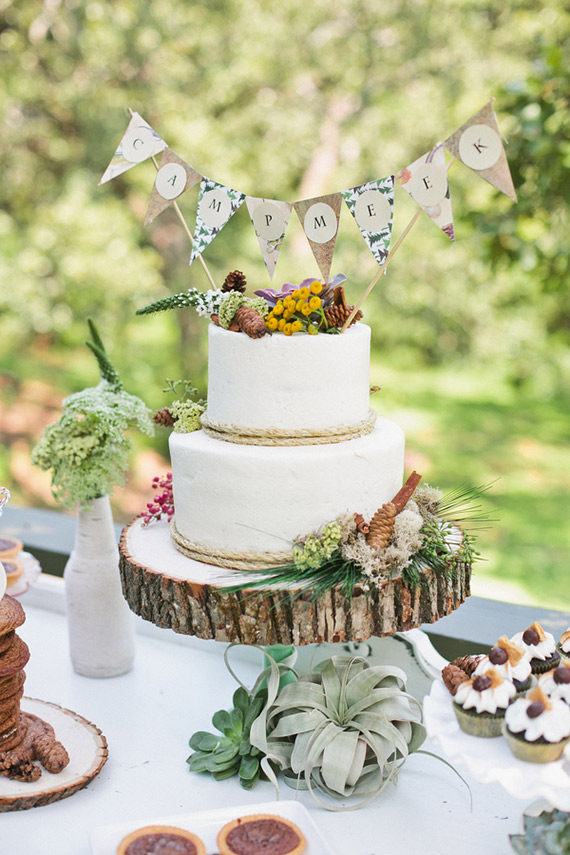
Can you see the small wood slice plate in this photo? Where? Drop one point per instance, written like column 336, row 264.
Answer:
column 87, row 749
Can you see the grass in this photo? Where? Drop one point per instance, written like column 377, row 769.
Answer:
column 468, row 426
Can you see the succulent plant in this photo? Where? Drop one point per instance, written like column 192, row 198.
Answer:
column 344, row 730
column 230, row 753
column 545, row 834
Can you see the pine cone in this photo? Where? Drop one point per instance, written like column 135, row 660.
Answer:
column 336, row 315
column 235, row 281
column 164, row 417
column 467, row 663
column 381, row 526
column 453, row 677
column 250, row 322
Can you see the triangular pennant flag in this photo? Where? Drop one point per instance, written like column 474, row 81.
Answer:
column 478, row 144
column 320, row 218
column 426, row 181
column 372, row 206
column 270, row 219
column 216, row 205
column 174, row 177
column 139, row 142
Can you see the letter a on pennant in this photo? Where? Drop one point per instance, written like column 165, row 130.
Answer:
column 139, row 142
column 426, row 181
column 372, row 206
column 174, row 177
column 216, row 205
column 270, row 219
column 320, row 219
column 478, row 144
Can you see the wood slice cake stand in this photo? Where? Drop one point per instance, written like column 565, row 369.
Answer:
column 87, row 749
column 168, row 589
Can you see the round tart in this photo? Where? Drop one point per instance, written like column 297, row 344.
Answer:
column 537, row 728
column 13, row 570
column 261, row 834
column 161, row 840
column 10, row 547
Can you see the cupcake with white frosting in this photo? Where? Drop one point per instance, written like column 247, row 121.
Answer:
column 537, row 728
column 510, row 661
column 481, row 702
column 556, row 683
column 563, row 646
column 539, row 646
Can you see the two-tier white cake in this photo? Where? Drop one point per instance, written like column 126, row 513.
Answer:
column 289, row 443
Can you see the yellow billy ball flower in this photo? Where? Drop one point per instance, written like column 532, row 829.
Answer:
column 306, row 309
column 299, row 305
column 316, row 287
column 289, row 302
column 296, row 326
column 305, row 293
column 315, row 303
column 296, row 294
column 271, row 323
column 287, row 314
column 287, row 329
column 312, row 330
column 278, row 310
column 281, row 324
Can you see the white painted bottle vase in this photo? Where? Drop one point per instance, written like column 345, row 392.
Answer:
column 99, row 621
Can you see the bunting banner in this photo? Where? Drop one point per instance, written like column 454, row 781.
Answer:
column 216, row 205
column 139, row 142
column 174, row 177
column 479, row 146
column 320, row 219
column 426, row 181
column 372, row 206
column 270, row 219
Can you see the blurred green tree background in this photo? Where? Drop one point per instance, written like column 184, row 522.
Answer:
column 471, row 340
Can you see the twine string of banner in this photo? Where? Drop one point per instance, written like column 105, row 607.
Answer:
column 389, row 257
column 184, row 225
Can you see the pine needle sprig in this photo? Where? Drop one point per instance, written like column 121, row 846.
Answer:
column 206, row 303
column 106, row 369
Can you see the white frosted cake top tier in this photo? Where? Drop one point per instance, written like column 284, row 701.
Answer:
column 289, row 382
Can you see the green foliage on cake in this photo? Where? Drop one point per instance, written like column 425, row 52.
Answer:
column 87, row 450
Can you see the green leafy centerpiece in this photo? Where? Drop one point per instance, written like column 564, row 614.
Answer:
column 342, row 731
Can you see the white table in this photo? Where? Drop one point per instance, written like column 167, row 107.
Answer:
column 148, row 715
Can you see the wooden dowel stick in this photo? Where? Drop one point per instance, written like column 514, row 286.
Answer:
column 389, row 257
column 186, row 229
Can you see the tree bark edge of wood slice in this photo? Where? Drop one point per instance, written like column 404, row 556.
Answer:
column 271, row 617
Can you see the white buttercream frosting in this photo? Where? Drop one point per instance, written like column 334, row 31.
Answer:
column 552, row 724
column 248, row 498
column 521, row 671
column 496, row 698
column 543, row 650
column 289, row 382
column 565, row 641
column 559, row 691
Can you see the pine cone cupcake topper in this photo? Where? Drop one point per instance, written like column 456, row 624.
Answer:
column 235, row 281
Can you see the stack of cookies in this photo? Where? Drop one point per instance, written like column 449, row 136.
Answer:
column 23, row 737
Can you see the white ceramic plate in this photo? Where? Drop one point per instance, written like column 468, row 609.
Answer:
column 491, row 759
column 206, row 824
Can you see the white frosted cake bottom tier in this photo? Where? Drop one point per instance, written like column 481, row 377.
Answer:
column 248, row 498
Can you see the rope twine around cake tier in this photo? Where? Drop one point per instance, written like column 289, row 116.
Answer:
column 227, row 558
column 281, row 436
